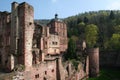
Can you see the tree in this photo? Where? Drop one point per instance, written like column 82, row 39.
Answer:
column 71, row 52
column 91, row 35
column 112, row 15
column 81, row 27
column 86, row 20
column 115, row 42
column 117, row 29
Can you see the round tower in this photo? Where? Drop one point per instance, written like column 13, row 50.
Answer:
column 93, row 62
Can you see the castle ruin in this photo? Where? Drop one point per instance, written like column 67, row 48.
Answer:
column 38, row 48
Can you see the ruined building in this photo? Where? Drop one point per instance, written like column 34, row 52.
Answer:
column 38, row 48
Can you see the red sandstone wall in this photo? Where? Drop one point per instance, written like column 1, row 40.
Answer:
column 44, row 70
column 60, row 28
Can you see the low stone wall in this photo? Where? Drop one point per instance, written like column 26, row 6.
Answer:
column 43, row 71
column 110, row 58
column 47, row 70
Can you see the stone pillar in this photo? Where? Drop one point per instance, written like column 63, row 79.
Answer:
column 26, row 26
column 28, row 35
column 69, row 69
column 87, row 66
column 93, row 62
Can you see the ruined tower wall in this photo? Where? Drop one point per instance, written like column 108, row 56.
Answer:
column 4, row 38
column 22, row 28
column 26, row 31
column 14, row 27
column 14, row 35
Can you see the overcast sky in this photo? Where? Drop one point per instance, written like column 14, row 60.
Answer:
column 45, row 9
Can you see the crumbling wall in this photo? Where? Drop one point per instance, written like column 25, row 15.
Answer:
column 43, row 71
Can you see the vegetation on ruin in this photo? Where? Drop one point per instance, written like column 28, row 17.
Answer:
column 71, row 52
column 19, row 68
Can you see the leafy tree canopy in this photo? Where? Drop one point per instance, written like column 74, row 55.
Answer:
column 91, row 35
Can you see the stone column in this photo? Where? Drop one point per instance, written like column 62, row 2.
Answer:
column 87, row 65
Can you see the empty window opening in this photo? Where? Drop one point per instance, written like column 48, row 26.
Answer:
column 6, row 61
column 45, row 72
column 37, row 76
column 30, row 23
column 56, row 43
column 53, row 43
column 52, row 70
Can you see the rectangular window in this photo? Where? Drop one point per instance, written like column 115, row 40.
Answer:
column 37, row 76
column 53, row 43
column 56, row 43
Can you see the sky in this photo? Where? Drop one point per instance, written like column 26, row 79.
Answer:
column 46, row 9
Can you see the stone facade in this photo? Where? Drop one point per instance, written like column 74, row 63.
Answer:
column 59, row 27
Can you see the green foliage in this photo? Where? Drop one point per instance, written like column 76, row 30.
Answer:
column 75, row 63
column 117, row 29
column 112, row 15
column 86, row 19
column 71, row 51
column 91, row 35
column 115, row 42
column 81, row 29
column 107, row 22
column 19, row 67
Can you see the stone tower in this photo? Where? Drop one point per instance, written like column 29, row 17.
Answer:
column 27, row 30
column 57, row 26
column 22, row 27
column 93, row 62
